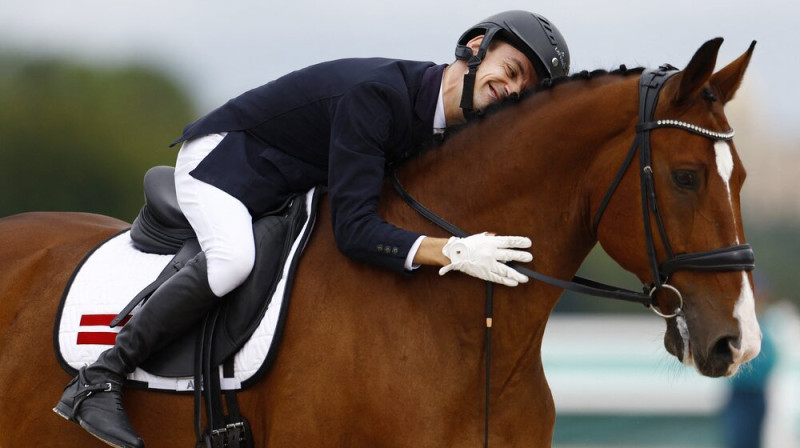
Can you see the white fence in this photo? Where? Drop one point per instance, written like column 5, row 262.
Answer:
column 600, row 366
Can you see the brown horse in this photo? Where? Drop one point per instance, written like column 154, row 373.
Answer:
column 373, row 359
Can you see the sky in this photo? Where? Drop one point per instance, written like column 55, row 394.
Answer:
column 219, row 49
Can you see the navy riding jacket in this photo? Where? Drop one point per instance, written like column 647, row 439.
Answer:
column 336, row 124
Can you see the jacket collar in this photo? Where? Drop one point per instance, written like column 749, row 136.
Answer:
column 428, row 94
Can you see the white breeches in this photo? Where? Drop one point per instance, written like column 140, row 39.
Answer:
column 222, row 223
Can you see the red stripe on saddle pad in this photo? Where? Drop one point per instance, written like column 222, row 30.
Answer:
column 100, row 319
column 96, row 337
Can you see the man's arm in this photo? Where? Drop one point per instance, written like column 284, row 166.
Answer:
column 430, row 252
column 482, row 255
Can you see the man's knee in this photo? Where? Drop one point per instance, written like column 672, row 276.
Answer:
column 225, row 276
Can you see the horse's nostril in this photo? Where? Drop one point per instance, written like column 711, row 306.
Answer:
column 723, row 349
column 719, row 358
column 736, row 343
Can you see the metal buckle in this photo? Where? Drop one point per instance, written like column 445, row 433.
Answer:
column 236, row 435
column 678, row 311
column 233, row 435
column 218, row 438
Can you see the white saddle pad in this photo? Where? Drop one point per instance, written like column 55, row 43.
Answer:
column 112, row 275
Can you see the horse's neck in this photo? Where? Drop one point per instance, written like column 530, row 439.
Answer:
column 528, row 169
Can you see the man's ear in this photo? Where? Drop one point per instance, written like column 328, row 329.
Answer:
column 475, row 43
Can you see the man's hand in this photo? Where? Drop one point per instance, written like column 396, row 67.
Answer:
column 483, row 255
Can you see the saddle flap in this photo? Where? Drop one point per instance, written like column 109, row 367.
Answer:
column 248, row 333
column 243, row 308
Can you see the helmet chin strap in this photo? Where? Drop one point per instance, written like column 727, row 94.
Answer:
column 468, row 90
column 473, row 61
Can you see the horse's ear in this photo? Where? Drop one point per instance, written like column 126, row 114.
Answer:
column 699, row 70
column 727, row 80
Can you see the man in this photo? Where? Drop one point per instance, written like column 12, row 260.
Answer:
column 337, row 124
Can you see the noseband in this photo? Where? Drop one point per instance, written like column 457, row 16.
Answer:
column 738, row 257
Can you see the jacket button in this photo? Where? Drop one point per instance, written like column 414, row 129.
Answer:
column 395, row 250
column 380, row 247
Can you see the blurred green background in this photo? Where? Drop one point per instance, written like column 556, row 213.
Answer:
column 76, row 137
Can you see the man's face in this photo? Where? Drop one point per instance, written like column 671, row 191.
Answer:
column 504, row 70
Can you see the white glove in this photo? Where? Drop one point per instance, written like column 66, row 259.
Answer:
column 483, row 255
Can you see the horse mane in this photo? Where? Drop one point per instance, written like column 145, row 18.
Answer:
column 435, row 150
column 460, row 138
column 545, row 84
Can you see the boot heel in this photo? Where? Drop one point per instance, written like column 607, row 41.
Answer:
column 64, row 411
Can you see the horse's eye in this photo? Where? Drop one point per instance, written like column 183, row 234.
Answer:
column 686, row 179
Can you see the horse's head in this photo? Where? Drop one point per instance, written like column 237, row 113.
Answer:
column 693, row 223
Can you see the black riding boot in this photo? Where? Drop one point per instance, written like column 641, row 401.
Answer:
column 93, row 399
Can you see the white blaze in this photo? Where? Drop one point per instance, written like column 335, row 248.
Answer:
column 744, row 311
column 725, row 170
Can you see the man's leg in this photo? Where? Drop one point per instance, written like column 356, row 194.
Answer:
column 224, row 230
column 93, row 399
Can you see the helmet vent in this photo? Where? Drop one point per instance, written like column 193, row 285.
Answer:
column 548, row 30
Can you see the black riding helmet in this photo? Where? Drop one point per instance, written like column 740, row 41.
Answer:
column 528, row 32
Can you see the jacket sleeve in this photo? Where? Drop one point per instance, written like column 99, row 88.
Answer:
column 368, row 121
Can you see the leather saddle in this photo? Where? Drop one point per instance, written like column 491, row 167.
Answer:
column 161, row 228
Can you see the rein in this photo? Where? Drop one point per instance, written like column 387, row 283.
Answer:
column 738, row 257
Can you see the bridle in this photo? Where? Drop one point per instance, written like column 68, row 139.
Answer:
column 738, row 257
